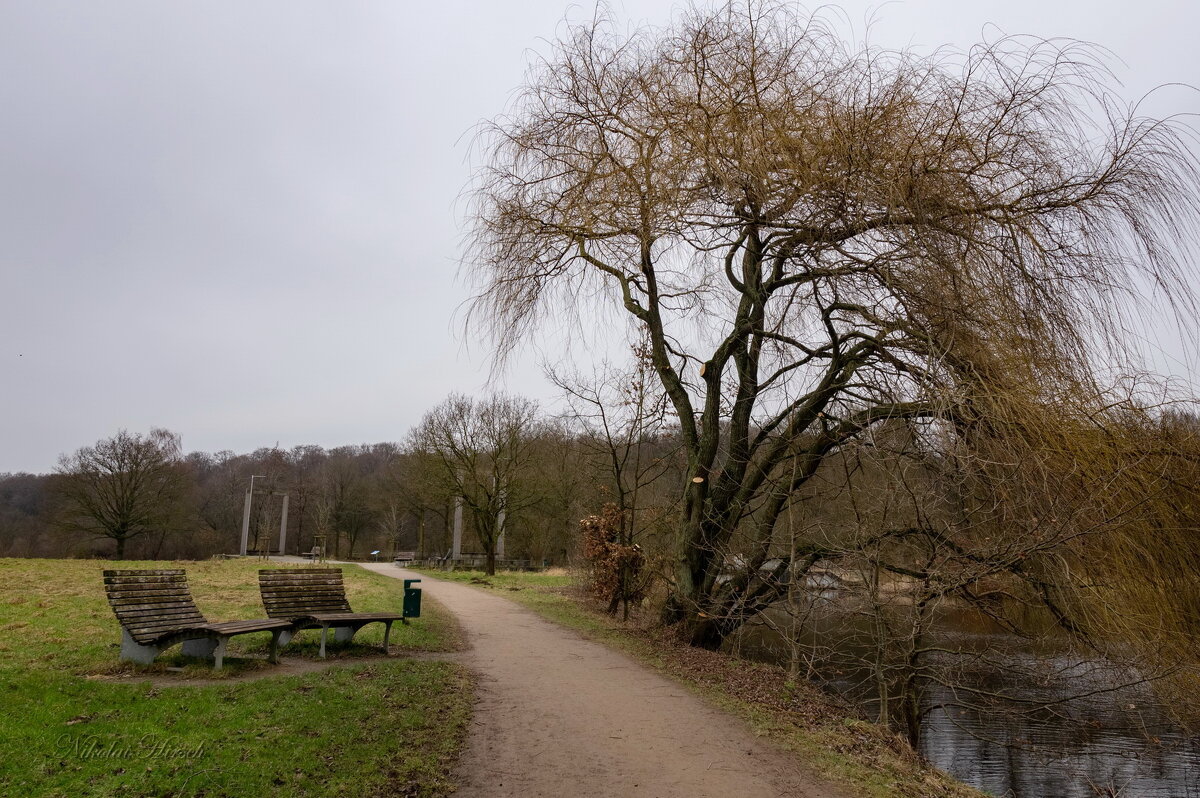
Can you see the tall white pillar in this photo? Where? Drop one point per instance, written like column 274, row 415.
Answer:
column 500, row 525
column 456, row 552
column 246, row 520
column 283, row 527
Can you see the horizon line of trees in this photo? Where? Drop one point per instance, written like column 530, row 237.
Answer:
column 511, row 467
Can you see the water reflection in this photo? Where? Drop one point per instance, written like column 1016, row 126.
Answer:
column 1114, row 742
column 1095, row 751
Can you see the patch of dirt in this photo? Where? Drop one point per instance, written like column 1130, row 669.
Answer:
column 557, row 715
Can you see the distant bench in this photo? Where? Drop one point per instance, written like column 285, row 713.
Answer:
column 405, row 558
column 156, row 610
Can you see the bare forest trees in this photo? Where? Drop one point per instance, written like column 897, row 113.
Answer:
column 481, row 451
column 818, row 239
column 350, row 500
column 123, row 487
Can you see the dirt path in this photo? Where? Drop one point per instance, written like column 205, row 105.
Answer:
column 558, row 715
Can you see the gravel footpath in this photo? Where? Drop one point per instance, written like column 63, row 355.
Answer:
column 560, row 716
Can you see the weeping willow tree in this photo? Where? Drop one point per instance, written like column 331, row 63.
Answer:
column 818, row 238
column 1136, row 588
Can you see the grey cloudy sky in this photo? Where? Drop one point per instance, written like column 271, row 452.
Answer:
column 238, row 220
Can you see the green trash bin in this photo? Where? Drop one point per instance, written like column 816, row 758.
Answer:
column 412, row 599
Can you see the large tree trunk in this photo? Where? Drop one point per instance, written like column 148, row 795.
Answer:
column 707, row 633
column 910, row 710
column 701, row 618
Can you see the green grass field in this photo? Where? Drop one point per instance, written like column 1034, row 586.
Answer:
column 76, row 722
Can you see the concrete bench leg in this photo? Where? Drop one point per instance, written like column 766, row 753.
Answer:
column 273, row 657
column 133, row 651
column 202, row 647
column 324, row 633
column 286, row 636
column 219, row 652
column 344, row 634
column 387, row 632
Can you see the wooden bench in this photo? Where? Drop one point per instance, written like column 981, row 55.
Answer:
column 404, row 557
column 316, row 597
column 156, row 611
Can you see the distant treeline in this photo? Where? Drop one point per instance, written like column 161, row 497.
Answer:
column 384, row 497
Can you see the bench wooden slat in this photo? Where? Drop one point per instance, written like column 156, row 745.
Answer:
column 144, row 580
column 169, row 612
column 299, row 612
column 180, row 621
column 134, row 603
column 145, row 584
column 226, row 627
column 120, row 605
column 299, row 578
column 116, row 595
column 158, row 632
column 356, row 616
column 300, row 595
column 305, row 601
column 304, row 569
column 146, row 572
column 286, row 583
column 331, row 601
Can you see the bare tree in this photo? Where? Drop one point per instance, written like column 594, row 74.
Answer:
column 623, row 414
column 123, row 487
column 819, row 238
column 480, row 450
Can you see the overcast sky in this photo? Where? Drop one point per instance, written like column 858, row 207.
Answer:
column 238, row 220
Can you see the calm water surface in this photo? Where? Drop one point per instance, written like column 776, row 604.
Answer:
column 1116, row 742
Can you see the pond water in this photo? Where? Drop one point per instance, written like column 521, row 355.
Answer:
column 1071, row 729
column 1113, row 744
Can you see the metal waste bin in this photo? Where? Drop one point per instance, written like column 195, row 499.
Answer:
column 412, row 599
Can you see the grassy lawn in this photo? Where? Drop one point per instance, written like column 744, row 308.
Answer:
column 76, row 722
column 868, row 759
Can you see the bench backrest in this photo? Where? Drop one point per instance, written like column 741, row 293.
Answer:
column 295, row 592
column 149, row 603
